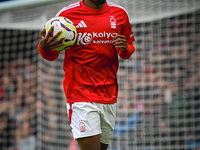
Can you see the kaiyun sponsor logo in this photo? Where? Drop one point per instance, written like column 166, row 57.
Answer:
column 87, row 38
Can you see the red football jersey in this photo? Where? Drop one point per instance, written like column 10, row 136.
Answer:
column 91, row 64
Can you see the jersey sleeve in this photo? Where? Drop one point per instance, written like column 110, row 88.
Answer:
column 126, row 54
column 61, row 12
column 127, row 30
column 128, row 33
column 48, row 55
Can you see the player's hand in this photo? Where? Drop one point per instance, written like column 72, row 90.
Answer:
column 120, row 41
column 47, row 42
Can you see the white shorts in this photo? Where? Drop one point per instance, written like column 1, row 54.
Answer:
column 88, row 119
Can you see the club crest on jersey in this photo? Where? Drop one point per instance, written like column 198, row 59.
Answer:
column 82, row 126
column 113, row 22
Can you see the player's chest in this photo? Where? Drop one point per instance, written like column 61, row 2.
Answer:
column 98, row 24
column 96, row 29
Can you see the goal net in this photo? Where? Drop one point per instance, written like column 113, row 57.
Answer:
column 159, row 86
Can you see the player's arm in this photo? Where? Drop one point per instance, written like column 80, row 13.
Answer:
column 48, row 43
column 125, row 49
column 124, row 41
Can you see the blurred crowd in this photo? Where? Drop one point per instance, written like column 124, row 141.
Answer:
column 55, row 128
column 159, row 88
column 29, row 107
column 18, row 106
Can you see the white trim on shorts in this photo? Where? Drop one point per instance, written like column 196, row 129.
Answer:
column 89, row 119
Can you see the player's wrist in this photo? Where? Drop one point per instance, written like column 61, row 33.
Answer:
column 128, row 47
column 41, row 49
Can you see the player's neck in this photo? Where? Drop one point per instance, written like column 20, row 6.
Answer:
column 93, row 5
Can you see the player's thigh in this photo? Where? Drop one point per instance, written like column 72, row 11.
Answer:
column 90, row 143
column 84, row 120
column 108, row 117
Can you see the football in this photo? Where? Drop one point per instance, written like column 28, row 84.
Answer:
column 68, row 31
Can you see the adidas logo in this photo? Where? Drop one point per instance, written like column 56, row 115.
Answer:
column 81, row 25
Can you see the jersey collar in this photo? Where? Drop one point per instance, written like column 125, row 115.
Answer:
column 94, row 11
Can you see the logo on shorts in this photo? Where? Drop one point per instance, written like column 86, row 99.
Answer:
column 81, row 126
